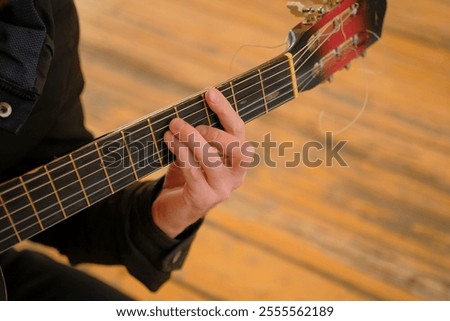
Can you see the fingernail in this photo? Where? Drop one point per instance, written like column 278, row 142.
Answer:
column 175, row 125
column 168, row 136
column 212, row 95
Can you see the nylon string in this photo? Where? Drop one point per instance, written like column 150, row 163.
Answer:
column 303, row 84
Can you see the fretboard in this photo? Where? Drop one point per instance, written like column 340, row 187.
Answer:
column 51, row 193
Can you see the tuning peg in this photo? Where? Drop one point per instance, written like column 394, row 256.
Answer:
column 354, row 10
column 348, row 66
column 355, row 40
column 296, row 7
column 364, row 53
column 338, row 52
column 330, row 79
column 311, row 10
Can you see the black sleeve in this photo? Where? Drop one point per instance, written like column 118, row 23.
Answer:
column 118, row 230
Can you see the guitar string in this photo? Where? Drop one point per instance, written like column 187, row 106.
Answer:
column 98, row 182
column 121, row 160
column 311, row 72
column 164, row 118
column 161, row 111
column 109, row 143
column 59, row 212
column 128, row 134
column 185, row 108
column 115, row 132
column 56, row 213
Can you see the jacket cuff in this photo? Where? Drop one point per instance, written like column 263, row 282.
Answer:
column 149, row 243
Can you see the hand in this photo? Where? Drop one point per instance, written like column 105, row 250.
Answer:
column 210, row 164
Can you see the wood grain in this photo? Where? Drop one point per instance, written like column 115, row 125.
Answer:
column 377, row 229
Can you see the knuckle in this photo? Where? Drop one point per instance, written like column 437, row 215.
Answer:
column 203, row 129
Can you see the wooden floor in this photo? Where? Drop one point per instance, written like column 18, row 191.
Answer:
column 377, row 229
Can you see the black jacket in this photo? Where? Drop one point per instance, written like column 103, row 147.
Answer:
column 41, row 117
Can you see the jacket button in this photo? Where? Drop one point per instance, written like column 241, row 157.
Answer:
column 5, row 110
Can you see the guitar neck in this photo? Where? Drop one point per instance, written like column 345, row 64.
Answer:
column 31, row 203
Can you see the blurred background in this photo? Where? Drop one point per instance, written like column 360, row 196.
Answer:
column 377, row 229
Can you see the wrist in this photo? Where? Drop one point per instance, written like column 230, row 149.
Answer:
column 169, row 225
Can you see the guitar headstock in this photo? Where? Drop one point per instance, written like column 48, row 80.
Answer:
column 331, row 35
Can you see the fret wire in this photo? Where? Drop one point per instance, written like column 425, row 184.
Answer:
column 212, row 124
column 234, row 97
column 154, row 140
column 293, row 74
column 116, row 173
column 206, row 109
column 263, row 91
column 31, row 202
column 80, row 180
column 285, row 101
column 48, row 217
column 107, row 176
column 153, row 134
column 101, row 156
column 260, row 115
column 103, row 166
column 55, row 191
column 176, row 111
column 129, row 156
column 303, row 50
column 186, row 107
column 10, row 220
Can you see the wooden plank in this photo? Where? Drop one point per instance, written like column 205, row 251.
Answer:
column 378, row 229
column 238, row 270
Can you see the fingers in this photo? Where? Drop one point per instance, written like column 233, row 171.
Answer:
column 209, row 152
column 235, row 152
column 229, row 119
column 193, row 151
column 229, row 142
column 202, row 179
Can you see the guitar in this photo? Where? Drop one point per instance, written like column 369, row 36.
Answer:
column 332, row 33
